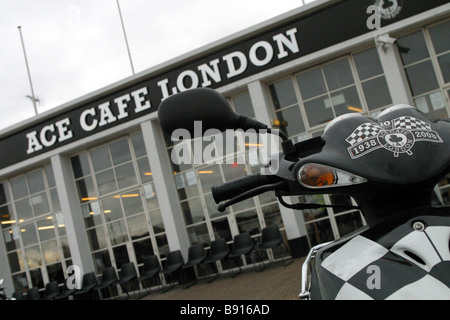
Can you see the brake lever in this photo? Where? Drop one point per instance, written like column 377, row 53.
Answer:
column 251, row 193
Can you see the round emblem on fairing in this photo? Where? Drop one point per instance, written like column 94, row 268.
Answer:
column 397, row 141
column 389, row 9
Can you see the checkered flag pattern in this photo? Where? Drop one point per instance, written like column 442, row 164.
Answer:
column 349, row 270
column 364, row 131
column 411, row 123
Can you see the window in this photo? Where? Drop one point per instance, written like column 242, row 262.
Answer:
column 309, row 100
column 426, row 59
column 373, row 81
column 119, row 202
column 33, row 229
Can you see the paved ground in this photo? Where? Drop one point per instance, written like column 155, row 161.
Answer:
column 274, row 283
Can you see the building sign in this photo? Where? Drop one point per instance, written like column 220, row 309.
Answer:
column 327, row 26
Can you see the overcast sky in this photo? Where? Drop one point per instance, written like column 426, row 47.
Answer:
column 75, row 47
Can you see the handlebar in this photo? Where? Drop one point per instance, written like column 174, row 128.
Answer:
column 237, row 187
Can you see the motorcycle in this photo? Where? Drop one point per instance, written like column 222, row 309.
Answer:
column 389, row 165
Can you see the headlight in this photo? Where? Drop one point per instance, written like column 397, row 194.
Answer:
column 314, row 176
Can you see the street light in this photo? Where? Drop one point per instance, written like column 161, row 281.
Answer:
column 32, row 97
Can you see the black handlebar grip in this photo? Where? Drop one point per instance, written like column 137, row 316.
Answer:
column 236, row 187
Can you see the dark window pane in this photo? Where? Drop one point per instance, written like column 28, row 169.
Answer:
column 291, row 121
column 16, row 261
column 319, row 111
column 80, row 165
column 440, row 35
column 23, row 209
column 248, row 221
column 100, row 158
column 117, row 232
column 86, row 189
column 433, row 105
column 192, row 211
column 422, row 78
column 46, row 229
column 377, row 93
column 157, row 221
column 6, row 216
column 368, row 64
column 102, row 260
column 106, row 182
column 243, row 105
column 35, row 181
column 138, row 144
column 19, row 187
column 50, row 252
column 50, row 176
column 138, row 227
column 444, row 63
column 40, row 203
column 221, row 229
column 283, row 94
column 112, row 209
column 338, row 74
column 346, row 101
column 97, row 238
column 144, row 170
column 4, row 194
column 413, row 48
column 55, row 273
column 132, row 202
column 198, row 234
column 91, row 214
column 126, row 176
column 142, row 248
column 120, row 151
column 36, row 278
column 311, row 83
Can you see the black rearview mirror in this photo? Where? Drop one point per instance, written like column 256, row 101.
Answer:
column 182, row 110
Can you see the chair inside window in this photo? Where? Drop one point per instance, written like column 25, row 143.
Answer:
column 109, row 280
column 242, row 245
column 150, row 272
column 66, row 291
column 196, row 255
column 87, row 291
column 33, row 294
column 18, row 295
column 218, row 251
column 174, row 263
column 51, row 290
column 272, row 238
column 128, row 279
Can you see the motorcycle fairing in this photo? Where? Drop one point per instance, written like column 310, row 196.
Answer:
column 401, row 263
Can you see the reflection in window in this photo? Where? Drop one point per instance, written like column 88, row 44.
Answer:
column 328, row 91
column 426, row 65
column 248, row 221
column 38, row 245
column 119, row 201
column 198, row 234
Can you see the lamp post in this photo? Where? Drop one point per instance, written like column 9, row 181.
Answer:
column 125, row 36
column 32, row 97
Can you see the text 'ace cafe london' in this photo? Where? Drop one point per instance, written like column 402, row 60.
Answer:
column 118, row 109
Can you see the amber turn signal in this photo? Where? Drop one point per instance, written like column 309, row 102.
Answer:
column 313, row 175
